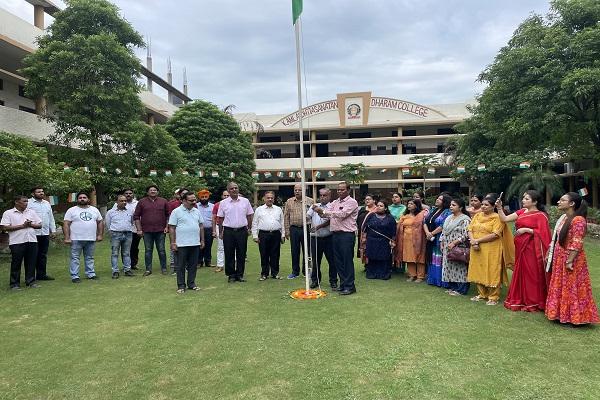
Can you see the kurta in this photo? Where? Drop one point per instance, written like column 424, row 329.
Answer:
column 434, row 252
column 570, row 298
column 379, row 232
column 397, row 210
column 410, row 239
column 363, row 212
column 527, row 291
column 454, row 229
column 487, row 266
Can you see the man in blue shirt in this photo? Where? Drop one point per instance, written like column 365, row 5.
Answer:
column 187, row 238
column 206, row 208
column 43, row 209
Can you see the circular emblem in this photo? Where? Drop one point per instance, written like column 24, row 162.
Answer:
column 85, row 216
column 353, row 111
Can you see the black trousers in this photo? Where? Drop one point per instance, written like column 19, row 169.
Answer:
column 318, row 247
column 187, row 259
column 19, row 252
column 297, row 246
column 134, row 252
column 235, row 245
column 43, row 242
column 343, row 256
column 205, row 256
column 269, row 246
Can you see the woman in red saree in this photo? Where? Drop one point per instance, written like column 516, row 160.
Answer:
column 570, row 298
column 528, row 287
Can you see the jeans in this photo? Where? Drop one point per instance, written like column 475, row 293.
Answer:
column 42, row 256
column 158, row 238
column 22, row 252
column 187, row 260
column 120, row 241
column 88, row 247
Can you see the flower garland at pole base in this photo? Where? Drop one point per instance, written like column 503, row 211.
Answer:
column 303, row 294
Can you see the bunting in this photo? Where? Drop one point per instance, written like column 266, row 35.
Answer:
column 153, row 172
column 405, row 171
column 431, row 171
column 268, row 174
column 53, row 200
column 72, row 198
column 481, row 168
column 214, row 174
column 168, row 172
column 460, row 169
column 524, row 165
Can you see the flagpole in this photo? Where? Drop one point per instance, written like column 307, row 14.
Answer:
column 302, row 169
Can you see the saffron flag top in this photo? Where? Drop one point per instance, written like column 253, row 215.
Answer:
column 296, row 10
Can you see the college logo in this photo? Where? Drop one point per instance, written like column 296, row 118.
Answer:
column 353, row 111
column 85, row 216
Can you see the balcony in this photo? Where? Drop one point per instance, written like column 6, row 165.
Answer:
column 25, row 124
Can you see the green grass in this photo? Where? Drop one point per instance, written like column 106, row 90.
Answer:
column 135, row 338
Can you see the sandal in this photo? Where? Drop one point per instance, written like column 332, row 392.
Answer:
column 276, row 277
column 491, row 303
column 477, row 298
column 263, row 278
column 195, row 288
column 180, row 291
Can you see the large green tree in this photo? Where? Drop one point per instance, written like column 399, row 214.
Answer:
column 213, row 142
column 86, row 69
column 543, row 93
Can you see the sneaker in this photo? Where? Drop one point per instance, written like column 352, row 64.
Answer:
column 128, row 273
column 146, row 273
column 292, row 276
column 93, row 278
column 180, row 291
column 76, row 280
column 263, row 278
column 194, row 288
column 276, row 277
column 115, row 275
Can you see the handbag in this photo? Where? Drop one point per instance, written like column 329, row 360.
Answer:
column 459, row 253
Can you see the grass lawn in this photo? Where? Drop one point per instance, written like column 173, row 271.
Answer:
column 135, row 338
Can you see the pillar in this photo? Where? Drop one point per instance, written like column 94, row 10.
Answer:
column 400, row 185
column 38, row 16
column 571, row 184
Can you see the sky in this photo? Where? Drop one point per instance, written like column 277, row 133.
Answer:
column 242, row 52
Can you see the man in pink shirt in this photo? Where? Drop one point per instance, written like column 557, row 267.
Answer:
column 342, row 214
column 234, row 229
column 20, row 222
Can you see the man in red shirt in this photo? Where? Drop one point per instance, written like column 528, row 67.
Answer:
column 151, row 216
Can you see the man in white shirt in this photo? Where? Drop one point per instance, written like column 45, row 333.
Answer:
column 320, row 242
column 134, row 249
column 119, row 221
column 267, row 231
column 44, row 210
column 82, row 228
column 20, row 222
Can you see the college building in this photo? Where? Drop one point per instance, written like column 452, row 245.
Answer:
column 381, row 133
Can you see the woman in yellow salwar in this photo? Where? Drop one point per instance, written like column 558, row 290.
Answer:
column 492, row 251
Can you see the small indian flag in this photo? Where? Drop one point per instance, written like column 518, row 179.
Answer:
column 118, row 171
column 280, row 174
column 85, row 169
column 481, row 167
column 356, row 172
column 168, row 172
column 383, row 170
column 317, row 174
column 255, row 175
column 460, row 169
column 268, row 174
column 103, row 170
column 291, row 174
column 184, row 172
column 330, row 174
column 583, row 192
column 136, row 172
column 66, row 168
column 72, row 198
column 53, row 200
column 214, row 174
column 524, row 165
column 153, row 172
column 200, row 173
column 299, row 175
column 405, row 171
column 431, row 171
column 232, row 175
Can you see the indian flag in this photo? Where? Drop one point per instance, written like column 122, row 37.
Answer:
column 214, row 174
column 53, row 200
column 184, row 172
column 103, row 170
column 460, row 169
column 72, row 198
column 330, row 174
column 232, row 175
column 296, row 10
column 317, row 174
column 268, row 174
column 153, row 172
column 431, row 171
column 136, row 172
column 255, row 175
column 291, row 174
column 481, row 167
column 66, row 168
column 200, row 173
column 583, row 192
column 118, row 171
column 405, row 171
column 280, row 174
column 524, row 165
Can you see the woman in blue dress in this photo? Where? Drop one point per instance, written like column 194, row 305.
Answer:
column 380, row 229
column 433, row 225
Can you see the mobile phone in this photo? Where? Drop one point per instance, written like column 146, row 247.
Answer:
column 500, row 196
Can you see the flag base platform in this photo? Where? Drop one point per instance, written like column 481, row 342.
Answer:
column 303, row 294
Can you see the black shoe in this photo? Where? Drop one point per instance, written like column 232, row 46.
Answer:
column 346, row 292
column 231, row 279
column 33, row 286
column 128, row 273
column 76, row 280
column 146, row 273
column 314, row 285
column 163, row 271
column 115, row 275
column 134, row 267
column 334, row 287
column 45, row 278
column 239, row 279
column 93, row 278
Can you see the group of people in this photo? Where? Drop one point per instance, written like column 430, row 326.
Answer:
column 448, row 245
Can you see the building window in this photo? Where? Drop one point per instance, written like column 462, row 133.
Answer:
column 394, row 149
column 1, row 84
column 27, row 109
column 359, row 150
column 359, row 135
column 409, row 149
column 445, row 131
column 409, row 132
column 441, row 147
column 269, row 139
column 394, row 133
column 22, row 91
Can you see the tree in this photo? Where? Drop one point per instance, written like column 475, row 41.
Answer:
column 354, row 174
column 543, row 90
column 85, row 67
column 420, row 165
column 24, row 165
column 212, row 141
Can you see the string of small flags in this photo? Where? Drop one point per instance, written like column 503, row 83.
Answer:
column 481, row 167
column 154, row 172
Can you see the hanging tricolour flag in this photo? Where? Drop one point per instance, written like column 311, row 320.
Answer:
column 481, row 167
column 118, row 171
column 168, row 172
column 214, row 174
column 583, row 192
column 330, row 174
column 296, row 10
column 299, row 175
column 72, row 198
column 85, row 169
column 280, row 174
column 200, row 173
column 66, row 168
column 524, row 165
column 317, row 174
column 356, row 172
column 383, row 170
column 184, row 172
column 153, row 172
column 431, row 171
column 268, row 174
column 405, row 171
column 255, row 175
column 291, row 174
column 460, row 169
column 136, row 172
column 53, row 200
column 103, row 170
